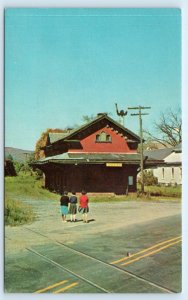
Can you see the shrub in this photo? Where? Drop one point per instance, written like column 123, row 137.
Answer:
column 17, row 213
column 38, row 174
column 18, row 166
column 149, row 178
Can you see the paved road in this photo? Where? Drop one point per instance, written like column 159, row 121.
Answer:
column 49, row 256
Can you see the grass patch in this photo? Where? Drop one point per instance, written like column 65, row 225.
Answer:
column 23, row 187
column 17, row 213
column 108, row 198
column 164, row 191
column 151, row 193
column 27, row 185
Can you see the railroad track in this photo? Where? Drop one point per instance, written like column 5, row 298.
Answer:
column 95, row 260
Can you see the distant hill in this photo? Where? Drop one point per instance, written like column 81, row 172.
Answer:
column 17, row 154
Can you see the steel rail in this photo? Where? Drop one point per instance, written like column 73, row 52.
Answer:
column 131, row 274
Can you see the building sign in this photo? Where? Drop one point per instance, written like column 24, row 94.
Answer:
column 119, row 165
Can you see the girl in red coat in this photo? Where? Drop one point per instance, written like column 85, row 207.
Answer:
column 84, row 208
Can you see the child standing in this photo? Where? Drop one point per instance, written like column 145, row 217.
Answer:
column 84, row 208
column 64, row 202
column 73, row 207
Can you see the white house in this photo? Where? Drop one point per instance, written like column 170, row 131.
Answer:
column 170, row 173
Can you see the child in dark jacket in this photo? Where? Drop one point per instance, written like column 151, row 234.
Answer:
column 73, row 207
column 64, row 202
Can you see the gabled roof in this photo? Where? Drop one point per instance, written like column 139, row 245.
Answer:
column 56, row 136
column 158, row 153
column 90, row 123
column 162, row 153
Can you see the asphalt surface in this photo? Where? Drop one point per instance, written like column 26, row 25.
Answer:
column 127, row 247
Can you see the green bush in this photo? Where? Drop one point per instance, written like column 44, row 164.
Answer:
column 17, row 166
column 149, row 178
column 38, row 174
column 17, row 213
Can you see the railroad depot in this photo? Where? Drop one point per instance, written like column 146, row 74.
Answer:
column 100, row 156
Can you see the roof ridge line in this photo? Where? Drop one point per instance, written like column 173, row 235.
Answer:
column 100, row 117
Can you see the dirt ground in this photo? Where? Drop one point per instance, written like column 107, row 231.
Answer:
column 113, row 231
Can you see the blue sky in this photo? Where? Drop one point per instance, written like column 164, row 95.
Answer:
column 61, row 64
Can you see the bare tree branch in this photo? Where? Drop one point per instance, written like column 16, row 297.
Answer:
column 168, row 129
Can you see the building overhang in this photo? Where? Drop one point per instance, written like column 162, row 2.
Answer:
column 66, row 143
column 153, row 163
column 90, row 159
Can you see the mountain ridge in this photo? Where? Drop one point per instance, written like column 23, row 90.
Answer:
column 17, row 154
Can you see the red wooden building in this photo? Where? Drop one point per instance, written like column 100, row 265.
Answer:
column 100, row 156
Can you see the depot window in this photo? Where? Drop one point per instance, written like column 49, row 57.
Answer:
column 103, row 138
column 130, row 180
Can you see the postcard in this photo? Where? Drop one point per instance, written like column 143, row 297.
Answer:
column 93, row 150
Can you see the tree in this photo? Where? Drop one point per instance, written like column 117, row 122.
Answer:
column 149, row 178
column 42, row 142
column 18, row 166
column 31, row 158
column 168, row 129
column 87, row 118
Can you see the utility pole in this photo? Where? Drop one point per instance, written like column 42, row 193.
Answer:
column 140, row 114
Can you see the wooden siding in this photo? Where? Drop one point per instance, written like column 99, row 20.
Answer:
column 92, row 178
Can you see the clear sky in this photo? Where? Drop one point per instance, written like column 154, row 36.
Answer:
column 61, row 64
